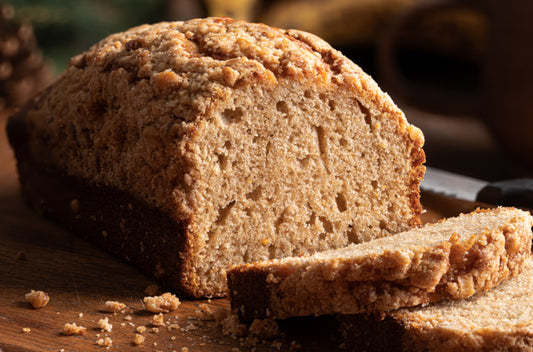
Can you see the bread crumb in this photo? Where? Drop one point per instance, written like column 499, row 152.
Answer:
column 26, row 330
column 265, row 328
column 184, row 349
column 113, row 306
column 73, row 329
column 104, row 324
column 161, row 304
column 151, row 290
column 173, row 327
column 232, row 326
column 123, row 324
column 37, row 299
column 154, row 330
column 141, row 329
column 158, row 320
column 128, row 317
column 190, row 327
column 138, row 339
column 106, row 342
column 204, row 312
column 173, row 338
column 21, row 255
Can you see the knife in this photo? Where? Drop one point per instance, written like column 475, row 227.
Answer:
column 514, row 192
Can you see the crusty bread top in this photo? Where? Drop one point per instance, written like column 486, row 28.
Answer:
column 205, row 55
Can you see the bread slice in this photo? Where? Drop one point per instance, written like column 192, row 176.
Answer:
column 451, row 259
column 497, row 320
column 187, row 147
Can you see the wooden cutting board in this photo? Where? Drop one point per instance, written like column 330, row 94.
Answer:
column 79, row 278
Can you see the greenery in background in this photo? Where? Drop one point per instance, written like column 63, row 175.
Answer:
column 65, row 28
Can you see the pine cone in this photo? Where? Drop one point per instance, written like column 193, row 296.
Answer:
column 22, row 69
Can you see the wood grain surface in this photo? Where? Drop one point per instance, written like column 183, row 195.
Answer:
column 79, row 278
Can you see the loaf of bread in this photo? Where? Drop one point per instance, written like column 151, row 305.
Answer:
column 451, row 259
column 498, row 320
column 188, row 147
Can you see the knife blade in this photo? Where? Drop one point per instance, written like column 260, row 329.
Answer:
column 513, row 192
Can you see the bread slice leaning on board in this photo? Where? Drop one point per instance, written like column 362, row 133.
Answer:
column 500, row 319
column 452, row 259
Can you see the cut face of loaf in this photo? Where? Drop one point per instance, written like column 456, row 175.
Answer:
column 451, row 259
column 497, row 320
column 188, row 147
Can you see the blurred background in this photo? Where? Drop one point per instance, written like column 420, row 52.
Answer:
column 433, row 64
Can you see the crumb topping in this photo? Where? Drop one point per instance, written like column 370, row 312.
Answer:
column 161, row 304
column 37, row 299
column 113, row 306
column 73, row 329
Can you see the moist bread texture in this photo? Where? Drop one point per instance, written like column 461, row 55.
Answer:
column 187, row 147
column 497, row 320
column 451, row 259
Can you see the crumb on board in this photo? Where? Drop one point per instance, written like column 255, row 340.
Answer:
column 37, row 299
column 173, row 326
column 26, row 330
column 204, row 312
column 72, row 329
column 158, row 320
column 105, row 342
column 113, row 306
column 104, row 324
column 128, row 317
column 184, row 349
column 141, row 329
column 138, row 339
column 154, row 330
column 161, row 304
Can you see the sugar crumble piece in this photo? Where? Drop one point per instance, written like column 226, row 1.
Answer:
column 104, row 324
column 128, row 317
column 113, row 306
column 151, row 290
column 184, row 349
column 161, row 304
column 154, row 330
column 123, row 324
column 158, row 320
column 105, row 342
column 138, row 339
column 141, row 329
column 26, row 330
column 173, row 326
column 72, row 329
column 172, row 338
column 204, row 312
column 37, row 299
column 80, row 315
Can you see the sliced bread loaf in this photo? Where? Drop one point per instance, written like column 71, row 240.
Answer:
column 451, row 259
column 187, row 147
column 497, row 320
